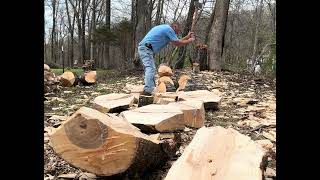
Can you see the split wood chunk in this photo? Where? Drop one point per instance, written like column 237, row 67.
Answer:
column 183, row 80
column 171, row 95
column 219, row 154
column 67, row 79
column 113, row 102
column 130, row 88
column 210, row 99
column 161, row 88
column 156, row 118
column 193, row 112
column 164, row 70
column 100, row 144
column 164, row 101
column 165, row 79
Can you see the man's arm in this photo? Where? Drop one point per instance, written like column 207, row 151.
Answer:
column 182, row 42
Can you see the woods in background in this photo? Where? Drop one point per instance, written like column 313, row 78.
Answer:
column 240, row 34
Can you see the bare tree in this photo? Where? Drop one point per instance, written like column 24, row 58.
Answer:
column 107, row 44
column 217, row 34
column 182, row 50
column 141, row 27
column 256, row 36
column 159, row 12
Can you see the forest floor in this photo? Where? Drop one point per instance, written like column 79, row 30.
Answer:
column 235, row 111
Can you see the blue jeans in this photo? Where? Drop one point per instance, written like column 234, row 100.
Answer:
column 146, row 56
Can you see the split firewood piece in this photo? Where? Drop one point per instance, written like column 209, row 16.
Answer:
column 130, row 88
column 113, row 102
column 89, row 78
column 165, row 98
column 193, row 112
column 166, row 79
column 99, row 144
column 183, row 80
column 68, row 79
column 156, row 118
column 161, row 88
column 210, row 99
column 164, row 101
column 164, row 70
column 220, row 154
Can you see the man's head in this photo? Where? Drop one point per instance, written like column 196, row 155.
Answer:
column 176, row 27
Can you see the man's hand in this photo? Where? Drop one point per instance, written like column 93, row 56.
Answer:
column 190, row 35
column 191, row 39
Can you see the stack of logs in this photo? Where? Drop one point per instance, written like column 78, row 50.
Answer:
column 165, row 82
column 117, row 138
column 51, row 81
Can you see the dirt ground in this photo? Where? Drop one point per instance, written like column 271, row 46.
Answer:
column 247, row 102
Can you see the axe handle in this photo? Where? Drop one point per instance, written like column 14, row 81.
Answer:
column 195, row 14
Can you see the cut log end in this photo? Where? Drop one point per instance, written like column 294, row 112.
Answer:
column 104, row 145
column 68, row 79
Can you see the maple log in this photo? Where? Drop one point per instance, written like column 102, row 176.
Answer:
column 219, row 154
column 193, row 112
column 211, row 100
column 104, row 145
column 113, row 102
column 68, row 79
column 89, row 78
column 156, row 118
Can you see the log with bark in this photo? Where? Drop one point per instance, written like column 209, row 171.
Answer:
column 156, row 118
column 193, row 112
column 100, row 144
column 68, row 79
column 220, row 154
column 211, row 100
column 51, row 81
column 88, row 78
column 113, row 102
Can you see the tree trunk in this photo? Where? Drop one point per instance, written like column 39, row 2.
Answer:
column 257, row 36
column 83, row 36
column 53, row 33
column 107, row 44
column 159, row 12
column 217, row 34
column 208, row 29
column 93, row 26
column 182, row 50
column 141, row 27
